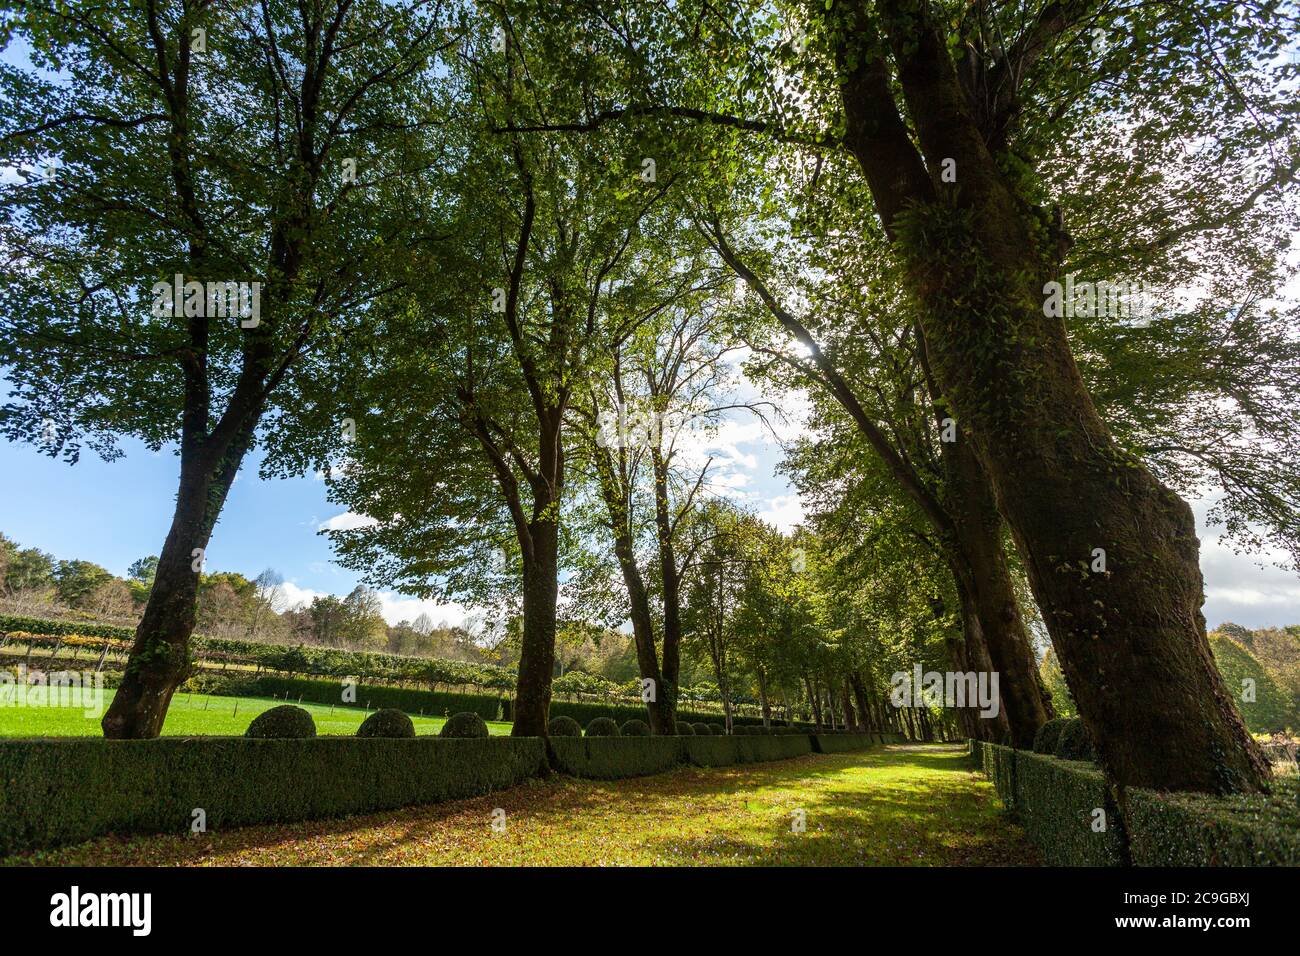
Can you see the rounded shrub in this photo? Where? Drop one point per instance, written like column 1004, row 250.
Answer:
column 603, row 727
column 684, row 729
column 464, row 724
column 564, row 727
column 718, row 730
column 702, row 730
column 285, row 721
column 1049, row 735
column 634, row 728
column 1074, row 743
column 386, row 723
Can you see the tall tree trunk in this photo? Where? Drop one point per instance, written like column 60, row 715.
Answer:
column 1129, row 632
column 159, row 661
column 846, row 704
column 660, row 707
column 813, row 701
column 537, row 653
column 967, row 716
column 860, row 697
column 762, row 698
column 995, row 728
column 990, row 597
column 670, row 577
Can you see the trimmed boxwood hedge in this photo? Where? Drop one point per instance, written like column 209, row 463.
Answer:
column 1195, row 830
column 702, row 730
column 386, row 723
column 724, row 751
column 1057, row 802
column 684, row 729
column 584, row 712
column 1054, row 800
column 285, row 722
column 463, row 725
column 1049, row 735
column 603, row 727
column 430, row 703
column 613, row 758
column 1074, row 742
column 634, row 728
column 55, row 791
column 563, row 727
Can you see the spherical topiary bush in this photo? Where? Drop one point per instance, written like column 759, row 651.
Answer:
column 285, row 721
column 718, row 730
column 702, row 730
column 1049, row 735
column 464, row 724
column 386, row 723
column 635, row 728
column 1074, row 743
column 684, row 729
column 603, row 727
column 564, row 727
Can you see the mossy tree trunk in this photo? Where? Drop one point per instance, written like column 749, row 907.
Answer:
column 1129, row 631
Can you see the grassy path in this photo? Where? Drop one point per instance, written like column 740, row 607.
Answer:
column 902, row 805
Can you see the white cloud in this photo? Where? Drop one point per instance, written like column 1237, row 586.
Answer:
column 395, row 607
column 347, row 521
column 784, row 511
column 400, row 607
column 293, row 595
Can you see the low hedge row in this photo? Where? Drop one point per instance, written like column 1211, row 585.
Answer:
column 377, row 696
column 613, row 758
column 68, row 790
column 1195, row 830
column 56, row 791
column 710, row 752
column 1056, row 801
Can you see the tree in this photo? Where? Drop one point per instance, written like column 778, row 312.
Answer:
column 362, row 624
column 732, row 546
column 268, row 593
column 955, row 116
column 472, row 380
column 328, row 621
column 221, row 190
column 660, row 381
column 25, row 570
column 1265, row 706
column 76, row 580
column 894, row 404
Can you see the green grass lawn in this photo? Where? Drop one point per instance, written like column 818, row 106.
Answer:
column 197, row 714
column 917, row 805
